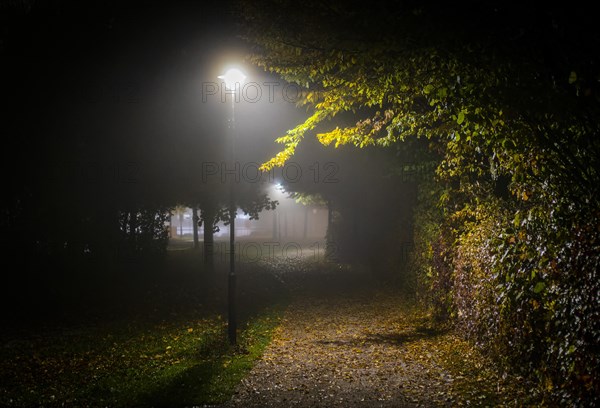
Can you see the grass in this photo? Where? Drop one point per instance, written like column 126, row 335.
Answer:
column 168, row 364
column 178, row 356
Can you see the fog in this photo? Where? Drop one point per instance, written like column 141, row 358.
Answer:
column 290, row 223
column 383, row 202
column 117, row 120
column 124, row 150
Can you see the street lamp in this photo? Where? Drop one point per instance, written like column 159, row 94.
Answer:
column 233, row 80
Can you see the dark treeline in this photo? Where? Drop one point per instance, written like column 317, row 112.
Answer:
column 107, row 130
column 370, row 196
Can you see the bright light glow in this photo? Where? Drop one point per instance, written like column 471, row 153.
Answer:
column 279, row 187
column 232, row 78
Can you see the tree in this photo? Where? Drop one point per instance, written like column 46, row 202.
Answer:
column 214, row 209
column 180, row 211
column 509, row 100
column 460, row 84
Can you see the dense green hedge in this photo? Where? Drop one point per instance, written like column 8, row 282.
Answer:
column 521, row 283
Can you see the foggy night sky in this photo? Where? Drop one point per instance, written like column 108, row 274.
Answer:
column 119, row 82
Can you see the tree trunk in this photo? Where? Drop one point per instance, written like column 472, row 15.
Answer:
column 195, row 220
column 209, row 239
column 133, row 230
column 330, row 247
column 305, row 231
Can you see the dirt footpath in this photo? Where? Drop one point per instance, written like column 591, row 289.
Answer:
column 346, row 342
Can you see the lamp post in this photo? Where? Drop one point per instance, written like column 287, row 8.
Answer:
column 232, row 80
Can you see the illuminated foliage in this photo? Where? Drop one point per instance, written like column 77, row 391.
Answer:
column 506, row 239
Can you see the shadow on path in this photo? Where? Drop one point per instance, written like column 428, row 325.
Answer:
column 392, row 339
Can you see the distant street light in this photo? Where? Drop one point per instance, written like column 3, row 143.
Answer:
column 233, row 80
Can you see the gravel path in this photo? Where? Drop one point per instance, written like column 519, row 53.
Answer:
column 347, row 343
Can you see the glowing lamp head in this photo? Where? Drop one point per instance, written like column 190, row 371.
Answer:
column 232, row 77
